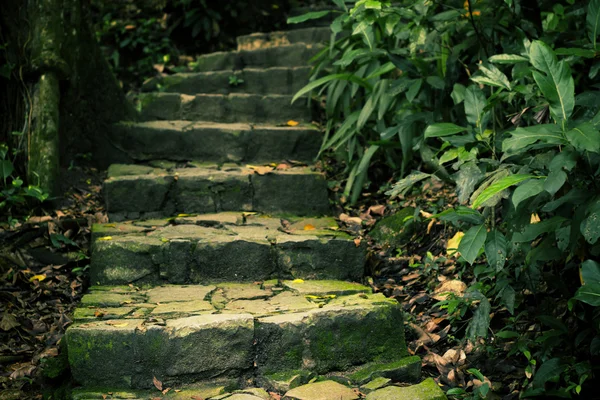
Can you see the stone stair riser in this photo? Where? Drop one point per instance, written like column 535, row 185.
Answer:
column 183, row 141
column 301, row 194
column 255, row 81
column 284, row 56
column 227, row 258
column 224, row 108
column 274, row 39
column 129, row 353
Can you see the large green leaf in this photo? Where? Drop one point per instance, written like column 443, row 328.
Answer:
column 549, row 370
column 499, row 186
column 532, row 231
column 475, row 103
column 593, row 20
column 461, row 214
column 555, row 181
column 589, row 294
column 556, row 82
column 492, row 77
column 528, row 189
column 361, row 172
column 522, row 137
column 590, row 227
column 319, row 82
column 585, row 138
column 480, row 323
column 443, row 129
column 308, row 16
column 507, row 59
column 404, row 185
column 472, row 242
column 6, row 168
column 496, row 249
column 590, row 272
column 466, row 180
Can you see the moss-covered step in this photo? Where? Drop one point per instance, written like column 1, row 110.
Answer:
column 214, row 142
column 133, row 189
column 188, row 334
column 278, row 80
column 426, row 390
column 294, row 55
column 225, row 246
column 235, row 107
column 283, row 38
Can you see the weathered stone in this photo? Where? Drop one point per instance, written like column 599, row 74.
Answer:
column 395, row 229
column 278, row 80
column 105, row 313
column 326, row 287
column 426, row 390
column 326, row 390
column 203, row 390
column 273, row 39
column 137, row 192
column 246, row 291
column 124, row 260
column 331, row 338
column 183, row 308
column 175, row 293
column 405, row 370
column 230, row 108
column 285, row 381
column 377, row 383
column 107, row 299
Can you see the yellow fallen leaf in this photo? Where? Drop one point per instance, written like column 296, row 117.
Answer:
column 452, row 246
column 184, row 215
column 105, row 238
column 535, row 219
column 331, row 296
column 260, row 170
column 291, row 122
column 311, row 296
column 309, row 227
column 37, row 278
column 110, row 225
column 117, row 325
column 164, row 240
column 298, row 281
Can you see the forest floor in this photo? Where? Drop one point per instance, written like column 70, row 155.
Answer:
column 43, row 273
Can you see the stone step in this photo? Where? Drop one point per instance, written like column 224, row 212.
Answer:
column 231, row 108
column 125, row 337
column 133, row 191
column 278, row 80
column 283, row 38
column 214, row 142
column 231, row 246
column 293, row 55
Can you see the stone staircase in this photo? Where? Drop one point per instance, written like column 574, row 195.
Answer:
column 219, row 279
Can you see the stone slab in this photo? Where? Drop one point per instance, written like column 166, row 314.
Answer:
column 278, row 80
column 211, row 188
column 281, row 56
column 426, row 390
column 230, row 108
column 283, row 38
column 254, row 249
column 325, row 390
column 215, row 142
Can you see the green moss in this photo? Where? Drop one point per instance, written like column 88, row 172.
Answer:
column 407, row 367
column 395, row 229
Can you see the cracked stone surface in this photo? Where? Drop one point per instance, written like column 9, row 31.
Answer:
column 180, row 333
column 224, row 247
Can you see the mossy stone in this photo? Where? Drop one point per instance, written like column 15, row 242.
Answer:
column 395, row 229
column 405, row 370
column 426, row 390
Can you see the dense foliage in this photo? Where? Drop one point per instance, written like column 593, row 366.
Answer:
column 140, row 38
column 500, row 99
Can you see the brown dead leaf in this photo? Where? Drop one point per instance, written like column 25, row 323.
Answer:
column 357, row 242
column 430, row 225
column 452, row 286
column 274, row 396
column 309, row 227
column 377, row 210
column 129, row 27
column 293, row 123
column 345, row 218
column 39, row 220
column 260, row 170
column 282, row 167
column 159, row 67
column 157, row 383
column 8, row 322
column 98, row 313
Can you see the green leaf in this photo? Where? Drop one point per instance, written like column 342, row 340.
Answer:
column 366, row 30
column 586, row 53
column 403, row 185
column 458, row 93
column 589, row 294
column 443, row 129
column 508, row 298
column 449, row 15
column 507, row 59
column 475, row 103
column 414, row 89
column 593, row 21
column 590, row 272
column 472, row 242
column 493, row 77
column 6, row 168
column 496, row 249
column 555, row 181
column 308, row 16
column 585, row 138
column 590, row 227
column 528, row 189
column 361, row 172
column 461, row 214
column 499, row 186
column 549, row 370
column 556, row 83
column 522, row 137
column 532, row 231
column 449, row 155
column 466, row 179
column 480, row 323
column 319, row 82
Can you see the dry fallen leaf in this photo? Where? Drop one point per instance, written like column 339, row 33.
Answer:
column 357, row 242
column 106, row 238
column 534, row 219
column 282, row 167
column 157, row 383
column 8, row 322
column 293, row 123
column 260, row 170
column 309, row 227
column 377, row 210
column 452, row 246
column 345, row 218
column 452, row 286
column 37, row 278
